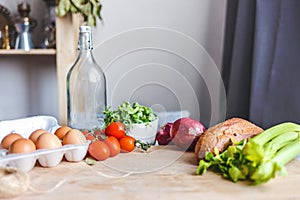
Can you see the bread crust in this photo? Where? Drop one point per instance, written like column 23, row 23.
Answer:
column 221, row 135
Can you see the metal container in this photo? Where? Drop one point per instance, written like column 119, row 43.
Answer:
column 24, row 25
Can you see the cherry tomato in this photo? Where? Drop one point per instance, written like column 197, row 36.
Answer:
column 99, row 133
column 127, row 144
column 99, row 150
column 116, row 129
column 88, row 135
column 113, row 145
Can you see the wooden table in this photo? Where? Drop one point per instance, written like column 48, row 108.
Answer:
column 163, row 173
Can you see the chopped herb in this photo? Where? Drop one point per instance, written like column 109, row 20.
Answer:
column 90, row 161
column 142, row 145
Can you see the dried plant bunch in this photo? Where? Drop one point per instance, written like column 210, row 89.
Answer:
column 89, row 9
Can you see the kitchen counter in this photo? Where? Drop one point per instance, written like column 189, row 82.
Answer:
column 162, row 173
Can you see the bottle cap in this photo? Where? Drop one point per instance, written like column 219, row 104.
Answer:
column 84, row 29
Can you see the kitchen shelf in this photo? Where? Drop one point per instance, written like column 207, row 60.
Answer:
column 30, row 52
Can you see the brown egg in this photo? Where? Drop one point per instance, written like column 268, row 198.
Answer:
column 74, row 136
column 61, row 131
column 47, row 141
column 22, row 145
column 35, row 134
column 9, row 139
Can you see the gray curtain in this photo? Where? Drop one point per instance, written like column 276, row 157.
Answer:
column 261, row 61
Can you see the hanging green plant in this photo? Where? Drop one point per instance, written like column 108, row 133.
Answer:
column 90, row 9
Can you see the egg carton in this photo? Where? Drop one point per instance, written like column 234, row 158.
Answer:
column 45, row 157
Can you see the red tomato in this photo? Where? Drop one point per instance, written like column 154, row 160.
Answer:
column 127, row 144
column 113, row 145
column 116, row 129
column 99, row 134
column 99, row 150
column 88, row 135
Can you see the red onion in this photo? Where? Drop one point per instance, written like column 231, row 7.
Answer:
column 163, row 134
column 185, row 132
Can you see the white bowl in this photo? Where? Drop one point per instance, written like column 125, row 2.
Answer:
column 144, row 132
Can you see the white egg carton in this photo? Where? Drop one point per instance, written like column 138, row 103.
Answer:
column 46, row 157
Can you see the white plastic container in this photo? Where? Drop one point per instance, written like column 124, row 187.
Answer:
column 144, row 132
column 46, row 157
column 171, row 116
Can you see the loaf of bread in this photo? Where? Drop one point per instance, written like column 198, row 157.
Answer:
column 222, row 135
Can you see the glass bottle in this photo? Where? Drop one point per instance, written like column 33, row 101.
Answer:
column 86, row 87
column 49, row 28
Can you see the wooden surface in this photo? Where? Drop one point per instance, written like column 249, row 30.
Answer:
column 172, row 177
column 30, row 52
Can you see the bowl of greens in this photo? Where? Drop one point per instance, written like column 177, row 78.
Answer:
column 144, row 132
column 140, row 121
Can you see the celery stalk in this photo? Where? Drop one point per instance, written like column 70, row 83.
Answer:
column 287, row 153
column 285, row 148
column 274, row 131
column 279, row 142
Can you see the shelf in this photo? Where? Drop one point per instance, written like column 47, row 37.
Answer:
column 30, row 52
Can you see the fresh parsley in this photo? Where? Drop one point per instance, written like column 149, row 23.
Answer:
column 129, row 114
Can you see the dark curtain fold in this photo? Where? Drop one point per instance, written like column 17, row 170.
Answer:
column 261, row 60
column 237, row 63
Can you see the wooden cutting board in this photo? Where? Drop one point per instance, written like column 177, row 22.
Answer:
column 162, row 173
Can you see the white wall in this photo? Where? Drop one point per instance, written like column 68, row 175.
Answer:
column 158, row 52
column 202, row 20
column 155, row 52
column 28, row 86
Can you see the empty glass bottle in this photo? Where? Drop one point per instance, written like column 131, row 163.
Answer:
column 86, row 87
